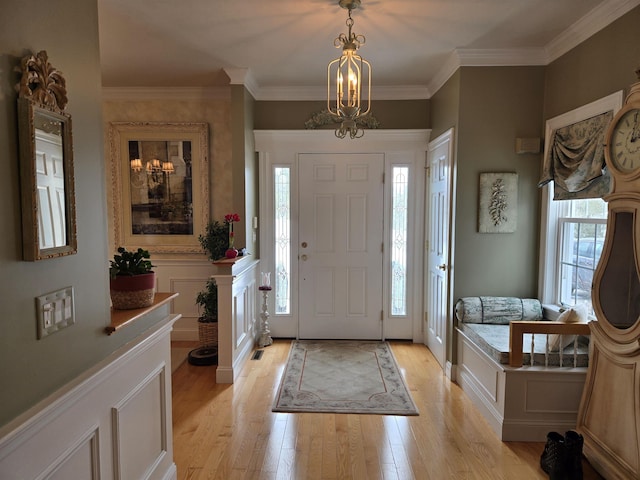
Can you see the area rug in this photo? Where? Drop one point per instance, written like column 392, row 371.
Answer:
column 343, row 377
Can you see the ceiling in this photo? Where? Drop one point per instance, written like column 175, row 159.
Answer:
column 280, row 49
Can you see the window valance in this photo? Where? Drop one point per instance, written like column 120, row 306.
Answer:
column 575, row 160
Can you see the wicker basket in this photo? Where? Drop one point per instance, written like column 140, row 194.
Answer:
column 136, row 291
column 128, row 300
column 208, row 334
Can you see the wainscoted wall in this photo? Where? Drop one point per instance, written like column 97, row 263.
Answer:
column 112, row 422
column 186, row 276
column 238, row 305
column 238, row 325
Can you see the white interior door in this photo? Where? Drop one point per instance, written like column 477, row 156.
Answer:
column 50, row 182
column 341, row 226
column 438, row 238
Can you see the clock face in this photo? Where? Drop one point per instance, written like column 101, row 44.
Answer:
column 624, row 149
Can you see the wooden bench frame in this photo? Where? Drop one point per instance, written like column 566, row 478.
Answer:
column 519, row 328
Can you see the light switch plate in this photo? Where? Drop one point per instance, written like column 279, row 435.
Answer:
column 55, row 311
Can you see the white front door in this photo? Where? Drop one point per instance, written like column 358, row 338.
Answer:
column 340, row 236
column 438, row 239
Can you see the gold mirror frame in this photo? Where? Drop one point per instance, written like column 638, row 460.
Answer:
column 46, row 162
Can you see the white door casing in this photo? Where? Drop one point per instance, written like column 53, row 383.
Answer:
column 438, row 258
column 340, row 245
column 282, row 149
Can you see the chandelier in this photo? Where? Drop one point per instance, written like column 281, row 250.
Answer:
column 136, row 164
column 346, row 76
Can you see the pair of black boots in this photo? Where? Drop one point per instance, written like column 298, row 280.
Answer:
column 562, row 456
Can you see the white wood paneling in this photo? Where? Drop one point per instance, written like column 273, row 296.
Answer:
column 520, row 404
column 237, row 316
column 79, row 461
column 186, row 276
column 140, row 432
column 70, row 435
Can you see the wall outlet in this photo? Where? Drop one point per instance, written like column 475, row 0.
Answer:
column 55, row 311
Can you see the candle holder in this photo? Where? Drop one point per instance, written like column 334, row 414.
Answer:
column 265, row 287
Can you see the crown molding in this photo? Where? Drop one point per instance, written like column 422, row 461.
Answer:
column 242, row 76
column 165, row 93
column 597, row 19
column 591, row 23
column 469, row 57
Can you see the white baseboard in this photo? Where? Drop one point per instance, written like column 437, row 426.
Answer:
column 184, row 335
column 450, row 371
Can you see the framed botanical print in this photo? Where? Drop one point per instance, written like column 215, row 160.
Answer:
column 498, row 205
column 159, row 185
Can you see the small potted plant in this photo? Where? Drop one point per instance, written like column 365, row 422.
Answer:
column 207, row 301
column 133, row 281
column 215, row 240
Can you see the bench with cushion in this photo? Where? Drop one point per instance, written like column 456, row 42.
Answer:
column 521, row 403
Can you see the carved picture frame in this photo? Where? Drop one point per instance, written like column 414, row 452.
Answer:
column 498, row 203
column 159, row 185
column 47, row 182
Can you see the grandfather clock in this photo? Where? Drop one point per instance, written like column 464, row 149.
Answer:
column 609, row 415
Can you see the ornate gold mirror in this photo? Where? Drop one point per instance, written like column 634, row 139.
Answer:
column 46, row 162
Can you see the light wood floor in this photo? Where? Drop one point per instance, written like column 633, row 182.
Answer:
column 229, row 432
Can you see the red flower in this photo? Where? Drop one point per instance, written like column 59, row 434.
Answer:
column 231, row 217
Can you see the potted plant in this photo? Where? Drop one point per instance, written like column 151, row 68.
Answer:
column 215, row 240
column 207, row 301
column 132, row 281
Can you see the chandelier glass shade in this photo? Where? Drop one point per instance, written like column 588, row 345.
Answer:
column 136, row 164
column 152, row 167
column 349, row 80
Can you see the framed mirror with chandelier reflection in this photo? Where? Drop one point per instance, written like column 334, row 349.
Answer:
column 46, row 161
column 159, row 191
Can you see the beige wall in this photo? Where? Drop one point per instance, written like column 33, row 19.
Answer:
column 497, row 105
column 271, row 115
column 445, row 107
column 215, row 110
column 245, row 189
column 601, row 65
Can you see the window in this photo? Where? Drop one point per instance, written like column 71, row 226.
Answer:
column 399, row 214
column 282, row 240
column 576, row 232
column 572, row 231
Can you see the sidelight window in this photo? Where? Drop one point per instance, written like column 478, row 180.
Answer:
column 398, row 250
column 282, row 183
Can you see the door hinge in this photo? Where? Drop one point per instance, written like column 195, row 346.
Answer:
column 381, row 315
column 383, row 177
column 382, row 247
column 428, row 172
